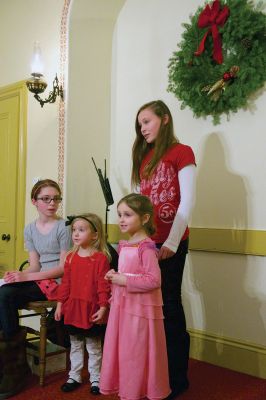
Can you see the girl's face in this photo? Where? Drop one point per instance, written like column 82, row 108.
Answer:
column 149, row 124
column 47, row 201
column 82, row 233
column 129, row 221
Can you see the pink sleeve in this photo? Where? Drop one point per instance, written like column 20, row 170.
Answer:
column 150, row 278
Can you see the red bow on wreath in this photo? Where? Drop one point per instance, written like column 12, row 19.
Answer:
column 213, row 17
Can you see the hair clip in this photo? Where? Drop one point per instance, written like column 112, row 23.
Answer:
column 70, row 219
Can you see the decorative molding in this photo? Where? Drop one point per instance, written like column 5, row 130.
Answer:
column 234, row 241
column 238, row 355
column 62, row 104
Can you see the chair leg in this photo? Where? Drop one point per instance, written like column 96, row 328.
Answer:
column 42, row 355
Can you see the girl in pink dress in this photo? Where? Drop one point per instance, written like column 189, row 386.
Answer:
column 83, row 297
column 134, row 357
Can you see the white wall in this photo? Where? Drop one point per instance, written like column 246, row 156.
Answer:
column 223, row 293
column 88, row 118
column 22, row 23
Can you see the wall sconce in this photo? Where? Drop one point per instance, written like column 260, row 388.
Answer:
column 37, row 84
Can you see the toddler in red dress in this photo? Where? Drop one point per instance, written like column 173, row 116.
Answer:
column 83, row 297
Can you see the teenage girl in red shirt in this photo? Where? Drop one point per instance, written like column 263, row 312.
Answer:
column 164, row 169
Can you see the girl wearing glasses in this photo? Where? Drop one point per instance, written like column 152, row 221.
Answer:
column 47, row 240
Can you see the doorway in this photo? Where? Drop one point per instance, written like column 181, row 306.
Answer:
column 13, row 112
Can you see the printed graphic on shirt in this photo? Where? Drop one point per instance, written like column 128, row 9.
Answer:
column 162, row 190
column 166, row 213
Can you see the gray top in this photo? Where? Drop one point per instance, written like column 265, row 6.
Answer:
column 49, row 245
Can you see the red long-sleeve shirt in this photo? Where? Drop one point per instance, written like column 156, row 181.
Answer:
column 83, row 289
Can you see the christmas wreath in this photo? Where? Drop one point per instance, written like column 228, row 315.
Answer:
column 221, row 60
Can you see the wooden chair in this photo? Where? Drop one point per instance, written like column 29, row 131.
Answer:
column 39, row 308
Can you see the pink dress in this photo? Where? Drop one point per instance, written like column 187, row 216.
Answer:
column 134, row 357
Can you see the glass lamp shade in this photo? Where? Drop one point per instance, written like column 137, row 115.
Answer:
column 37, row 63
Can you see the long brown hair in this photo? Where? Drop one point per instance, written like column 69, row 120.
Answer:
column 163, row 142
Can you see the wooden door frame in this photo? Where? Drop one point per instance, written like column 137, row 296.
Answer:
column 19, row 89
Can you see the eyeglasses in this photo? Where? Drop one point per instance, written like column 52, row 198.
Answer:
column 48, row 199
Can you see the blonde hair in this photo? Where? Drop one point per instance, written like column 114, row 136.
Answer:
column 96, row 224
column 165, row 139
column 142, row 206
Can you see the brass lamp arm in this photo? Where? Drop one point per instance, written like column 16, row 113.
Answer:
column 37, row 85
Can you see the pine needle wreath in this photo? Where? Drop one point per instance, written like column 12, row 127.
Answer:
column 215, row 87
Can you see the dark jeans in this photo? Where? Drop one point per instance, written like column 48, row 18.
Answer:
column 177, row 337
column 13, row 297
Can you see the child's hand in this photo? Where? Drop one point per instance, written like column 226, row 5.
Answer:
column 118, row 279
column 109, row 274
column 58, row 312
column 164, row 253
column 14, row 276
column 99, row 316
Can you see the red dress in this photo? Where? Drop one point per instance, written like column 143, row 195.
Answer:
column 83, row 289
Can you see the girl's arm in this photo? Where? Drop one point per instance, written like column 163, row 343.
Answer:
column 116, row 278
column 63, row 290
column 33, row 273
column 103, row 286
column 99, row 316
column 58, row 311
column 187, row 180
column 53, row 273
column 150, row 279
column 103, row 290
column 17, row 276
